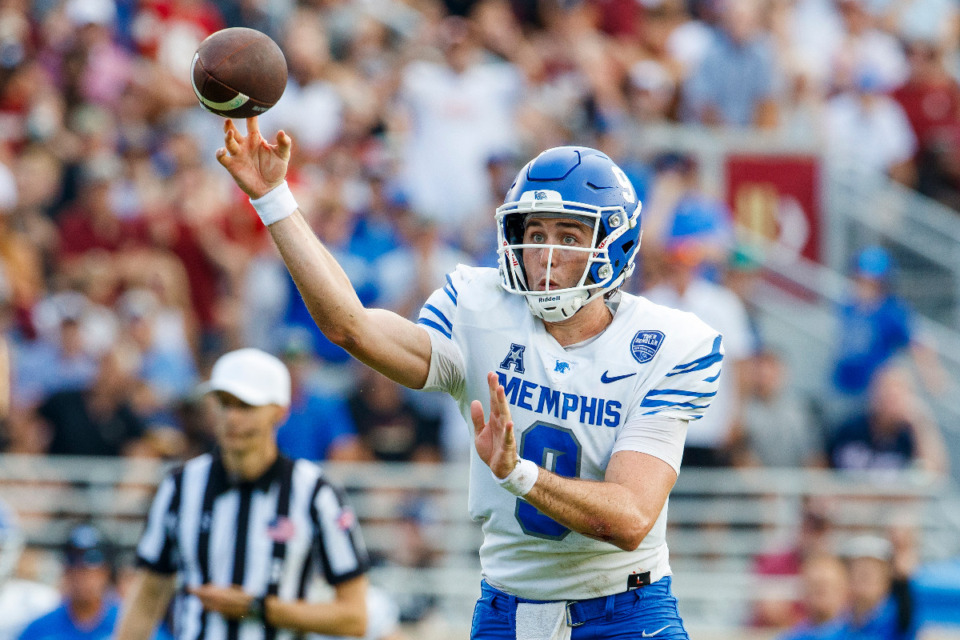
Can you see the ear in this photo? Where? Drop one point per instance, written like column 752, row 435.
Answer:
column 279, row 415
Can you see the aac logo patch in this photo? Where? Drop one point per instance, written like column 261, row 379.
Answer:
column 645, row 345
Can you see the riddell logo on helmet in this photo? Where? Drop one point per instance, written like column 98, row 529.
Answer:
column 548, row 299
column 513, row 256
column 540, row 195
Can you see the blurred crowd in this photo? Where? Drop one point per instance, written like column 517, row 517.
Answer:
column 129, row 261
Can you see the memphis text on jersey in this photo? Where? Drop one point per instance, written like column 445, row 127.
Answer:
column 550, row 402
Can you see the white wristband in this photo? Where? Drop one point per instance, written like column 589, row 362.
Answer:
column 521, row 479
column 276, row 204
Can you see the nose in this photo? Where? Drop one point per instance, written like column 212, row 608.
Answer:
column 548, row 257
column 232, row 415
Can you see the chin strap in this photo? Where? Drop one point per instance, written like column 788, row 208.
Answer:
column 562, row 306
column 557, row 307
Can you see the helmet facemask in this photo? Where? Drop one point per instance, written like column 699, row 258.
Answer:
column 601, row 273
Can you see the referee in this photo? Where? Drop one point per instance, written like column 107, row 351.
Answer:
column 237, row 535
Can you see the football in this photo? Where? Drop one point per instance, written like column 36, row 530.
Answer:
column 238, row 73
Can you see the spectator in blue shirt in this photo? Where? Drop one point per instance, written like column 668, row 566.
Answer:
column 319, row 426
column 876, row 326
column 881, row 606
column 825, row 592
column 89, row 609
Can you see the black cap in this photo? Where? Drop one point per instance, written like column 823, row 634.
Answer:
column 86, row 546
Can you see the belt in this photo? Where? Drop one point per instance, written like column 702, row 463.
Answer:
column 578, row 611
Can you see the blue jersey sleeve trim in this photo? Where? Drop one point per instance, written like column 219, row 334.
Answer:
column 453, row 298
column 705, row 362
column 668, row 403
column 433, row 325
column 679, row 392
column 439, row 314
column 450, row 282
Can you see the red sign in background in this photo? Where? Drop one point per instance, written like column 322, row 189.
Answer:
column 777, row 197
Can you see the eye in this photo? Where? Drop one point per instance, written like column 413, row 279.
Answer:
column 570, row 240
column 537, row 238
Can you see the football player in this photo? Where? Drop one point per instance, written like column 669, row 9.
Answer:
column 579, row 395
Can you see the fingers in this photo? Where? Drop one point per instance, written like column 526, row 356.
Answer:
column 476, row 414
column 499, row 409
column 253, row 127
column 284, row 144
column 493, row 384
column 228, row 127
column 232, row 142
column 498, row 398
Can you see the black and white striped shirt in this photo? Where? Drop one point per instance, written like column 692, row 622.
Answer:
column 271, row 536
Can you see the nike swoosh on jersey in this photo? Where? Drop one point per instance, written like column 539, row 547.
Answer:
column 644, row 634
column 605, row 379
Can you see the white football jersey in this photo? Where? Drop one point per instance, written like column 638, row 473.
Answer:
column 569, row 407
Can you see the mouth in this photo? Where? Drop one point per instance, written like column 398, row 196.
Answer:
column 237, row 435
column 542, row 285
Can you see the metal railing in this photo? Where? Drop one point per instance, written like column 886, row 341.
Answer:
column 719, row 521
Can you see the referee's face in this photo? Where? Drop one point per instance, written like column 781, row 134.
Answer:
column 242, row 427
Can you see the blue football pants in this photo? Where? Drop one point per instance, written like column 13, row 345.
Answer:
column 647, row 612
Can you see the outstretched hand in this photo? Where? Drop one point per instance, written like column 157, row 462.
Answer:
column 494, row 440
column 256, row 165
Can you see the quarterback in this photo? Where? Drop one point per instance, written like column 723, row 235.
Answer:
column 580, row 395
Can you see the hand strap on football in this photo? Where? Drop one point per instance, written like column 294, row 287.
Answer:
column 276, row 204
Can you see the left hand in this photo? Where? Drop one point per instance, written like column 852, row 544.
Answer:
column 494, row 440
column 230, row 602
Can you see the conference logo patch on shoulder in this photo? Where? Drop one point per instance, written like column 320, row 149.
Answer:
column 645, row 345
column 347, row 519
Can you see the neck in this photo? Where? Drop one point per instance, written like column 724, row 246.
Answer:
column 822, row 617
column 586, row 323
column 85, row 611
column 250, row 464
column 861, row 608
column 681, row 279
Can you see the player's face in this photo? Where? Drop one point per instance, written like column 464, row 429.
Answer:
column 566, row 267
